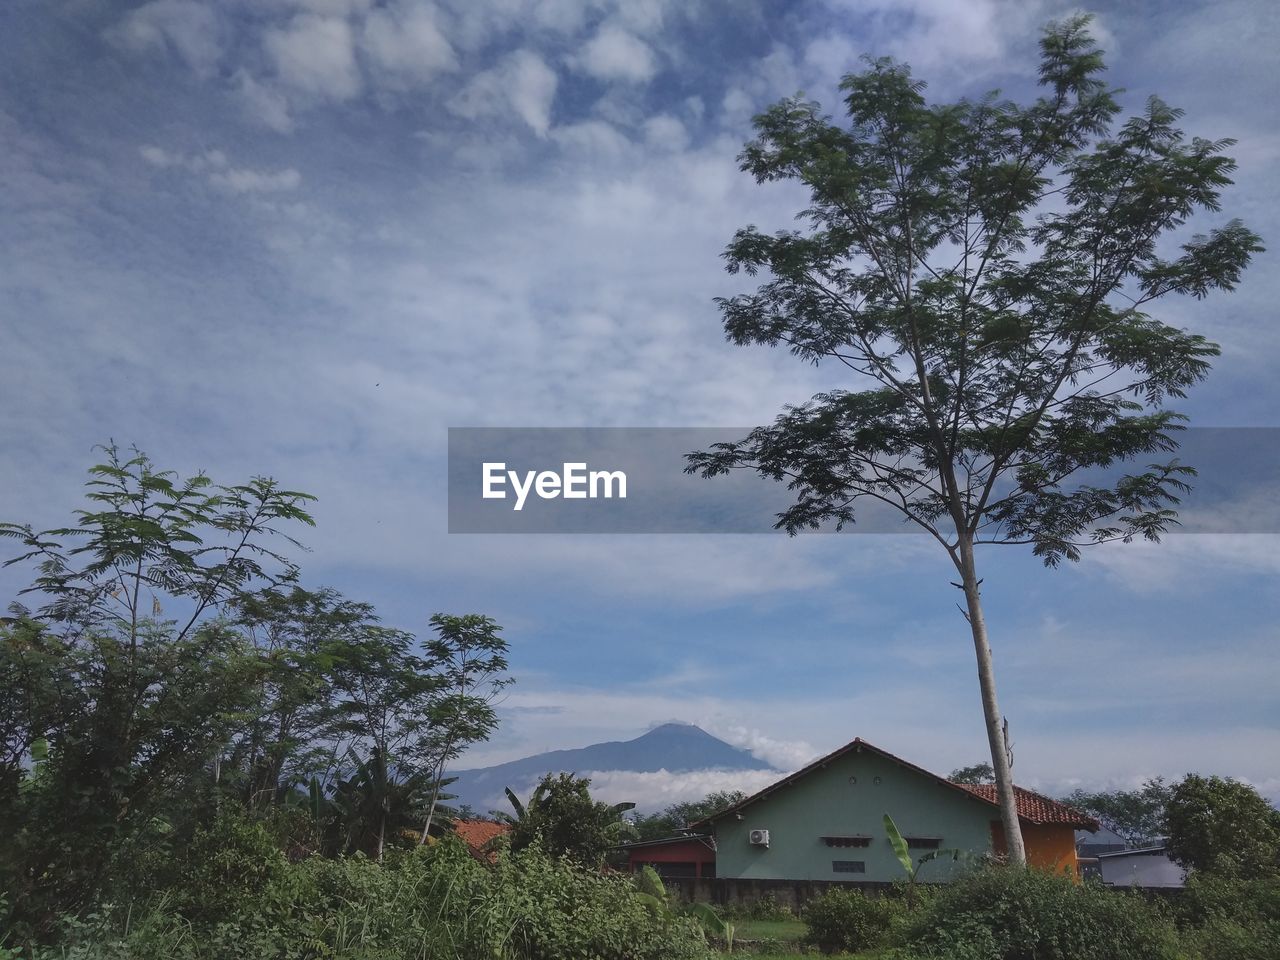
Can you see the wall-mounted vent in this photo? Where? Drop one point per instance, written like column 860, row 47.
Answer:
column 758, row 838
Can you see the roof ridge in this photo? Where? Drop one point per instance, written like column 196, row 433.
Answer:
column 857, row 743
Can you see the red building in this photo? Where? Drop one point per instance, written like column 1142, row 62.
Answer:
column 676, row 858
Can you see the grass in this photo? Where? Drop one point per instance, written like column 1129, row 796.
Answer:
column 787, row 930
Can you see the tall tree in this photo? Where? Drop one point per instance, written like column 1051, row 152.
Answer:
column 301, row 638
column 470, row 657
column 127, row 670
column 985, row 269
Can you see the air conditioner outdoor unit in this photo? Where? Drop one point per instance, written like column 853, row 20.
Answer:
column 759, row 838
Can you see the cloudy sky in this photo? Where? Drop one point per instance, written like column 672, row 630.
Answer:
column 304, row 237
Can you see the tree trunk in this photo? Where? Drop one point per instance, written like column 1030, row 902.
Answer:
column 1014, row 846
column 431, row 810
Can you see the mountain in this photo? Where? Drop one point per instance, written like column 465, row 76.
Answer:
column 674, row 747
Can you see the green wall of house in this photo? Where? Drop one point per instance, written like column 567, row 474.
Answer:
column 826, row 803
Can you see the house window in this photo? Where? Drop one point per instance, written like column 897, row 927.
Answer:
column 849, row 866
column 856, row 840
column 923, row 843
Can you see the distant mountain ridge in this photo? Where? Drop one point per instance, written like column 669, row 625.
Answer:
column 674, row 747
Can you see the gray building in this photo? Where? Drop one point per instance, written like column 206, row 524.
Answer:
column 1148, row 868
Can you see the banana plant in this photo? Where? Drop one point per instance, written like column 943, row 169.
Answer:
column 903, row 852
column 653, row 893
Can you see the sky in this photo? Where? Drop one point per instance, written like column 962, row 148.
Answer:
column 303, row 238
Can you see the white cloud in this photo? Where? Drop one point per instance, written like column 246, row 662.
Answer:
column 940, row 36
column 778, row 753
column 406, row 43
column 666, row 132
column 220, row 172
column 315, row 55
column 654, row 791
column 522, row 84
column 1181, row 560
column 615, row 54
column 263, row 103
column 592, row 138
column 242, row 180
column 187, row 27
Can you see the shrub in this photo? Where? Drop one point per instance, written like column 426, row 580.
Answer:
column 845, row 920
column 436, row 903
column 1007, row 913
column 1228, row 918
column 766, row 907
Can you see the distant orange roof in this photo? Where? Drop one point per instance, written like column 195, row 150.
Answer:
column 476, row 833
column 1034, row 807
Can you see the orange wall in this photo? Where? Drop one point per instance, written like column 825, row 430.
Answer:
column 1049, row 846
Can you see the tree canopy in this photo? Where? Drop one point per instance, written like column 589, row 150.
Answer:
column 981, row 276
column 1223, row 826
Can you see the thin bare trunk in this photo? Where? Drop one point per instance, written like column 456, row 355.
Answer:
column 1000, row 762
column 431, row 810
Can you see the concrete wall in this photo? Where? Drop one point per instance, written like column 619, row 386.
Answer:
column 827, row 803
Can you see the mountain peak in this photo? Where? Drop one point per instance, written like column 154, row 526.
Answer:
column 673, row 746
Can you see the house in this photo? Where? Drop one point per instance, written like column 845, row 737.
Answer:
column 826, row 823
column 1148, row 868
column 674, row 858
column 479, row 835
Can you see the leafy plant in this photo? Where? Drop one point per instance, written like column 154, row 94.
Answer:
column 902, row 851
column 1013, row 913
column 983, row 270
column 847, row 920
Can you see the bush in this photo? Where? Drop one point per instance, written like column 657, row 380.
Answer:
column 1231, row 919
column 427, row 904
column 1007, row 913
column 763, row 908
column 845, row 920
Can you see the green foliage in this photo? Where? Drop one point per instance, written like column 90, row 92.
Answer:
column 1137, row 815
column 763, row 908
column 978, row 276
column 678, row 817
column 177, row 673
column 426, row 903
column 912, row 867
column 982, row 320
column 977, row 773
column 564, row 820
column 150, row 534
column 1012, row 913
column 1223, row 826
column 1227, row 918
column 846, row 920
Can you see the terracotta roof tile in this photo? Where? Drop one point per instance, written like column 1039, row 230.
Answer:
column 1034, row 807
column 476, row 833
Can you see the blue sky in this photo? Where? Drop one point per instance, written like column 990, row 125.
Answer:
column 305, row 237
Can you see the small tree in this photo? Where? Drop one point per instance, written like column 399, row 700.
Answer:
column 563, row 818
column 984, row 268
column 975, row 774
column 127, row 670
column 1223, row 826
column 470, row 657
column 1137, row 815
